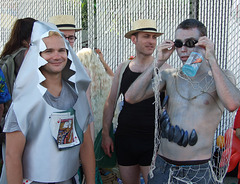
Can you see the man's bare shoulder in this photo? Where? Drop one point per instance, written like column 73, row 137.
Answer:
column 121, row 65
column 168, row 73
column 119, row 70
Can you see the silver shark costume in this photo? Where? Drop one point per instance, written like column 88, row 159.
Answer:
column 43, row 160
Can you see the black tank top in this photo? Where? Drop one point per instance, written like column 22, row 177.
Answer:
column 135, row 119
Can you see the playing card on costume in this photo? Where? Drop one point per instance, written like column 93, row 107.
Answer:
column 63, row 130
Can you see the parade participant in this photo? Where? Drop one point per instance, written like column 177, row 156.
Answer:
column 100, row 84
column 134, row 136
column 194, row 109
column 56, row 113
column 66, row 24
column 13, row 54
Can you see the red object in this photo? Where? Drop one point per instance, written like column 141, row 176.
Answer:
column 198, row 60
column 237, row 120
column 237, row 125
column 132, row 57
column 235, row 153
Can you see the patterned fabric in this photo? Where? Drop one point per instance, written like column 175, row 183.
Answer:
column 167, row 173
column 4, row 93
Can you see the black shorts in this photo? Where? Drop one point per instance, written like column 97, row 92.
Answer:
column 134, row 150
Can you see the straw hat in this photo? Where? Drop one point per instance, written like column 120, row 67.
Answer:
column 64, row 22
column 143, row 25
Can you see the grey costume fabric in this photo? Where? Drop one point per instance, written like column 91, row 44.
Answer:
column 74, row 73
column 65, row 101
column 28, row 93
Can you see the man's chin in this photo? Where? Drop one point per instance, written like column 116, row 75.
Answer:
column 184, row 59
column 148, row 53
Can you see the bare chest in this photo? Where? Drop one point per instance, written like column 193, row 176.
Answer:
column 202, row 90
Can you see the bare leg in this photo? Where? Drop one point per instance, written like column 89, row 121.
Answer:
column 130, row 174
column 145, row 171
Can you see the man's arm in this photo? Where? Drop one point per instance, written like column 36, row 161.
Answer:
column 88, row 157
column 225, row 82
column 142, row 87
column 108, row 113
column 87, row 148
column 15, row 143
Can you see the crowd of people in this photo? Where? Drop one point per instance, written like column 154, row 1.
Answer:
column 55, row 101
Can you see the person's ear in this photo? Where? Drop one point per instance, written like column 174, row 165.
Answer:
column 134, row 39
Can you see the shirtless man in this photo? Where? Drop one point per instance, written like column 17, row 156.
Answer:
column 195, row 105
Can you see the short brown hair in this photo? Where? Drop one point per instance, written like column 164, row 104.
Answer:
column 193, row 23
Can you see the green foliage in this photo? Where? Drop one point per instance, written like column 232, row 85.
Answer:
column 84, row 8
column 84, row 14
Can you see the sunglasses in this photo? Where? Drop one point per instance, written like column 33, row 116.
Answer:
column 189, row 43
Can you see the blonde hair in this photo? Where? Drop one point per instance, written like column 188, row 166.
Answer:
column 54, row 33
column 100, row 85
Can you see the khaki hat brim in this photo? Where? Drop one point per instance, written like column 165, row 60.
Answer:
column 130, row 33
column 69, row 28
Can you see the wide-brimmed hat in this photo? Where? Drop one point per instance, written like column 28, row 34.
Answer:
column 64, row 22
column 143, row 25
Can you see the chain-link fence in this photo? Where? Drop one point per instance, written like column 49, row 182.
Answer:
column 105, row 23
column 113, row 19
column 40, row 10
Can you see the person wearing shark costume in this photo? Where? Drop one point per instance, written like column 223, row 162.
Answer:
column 51, row 126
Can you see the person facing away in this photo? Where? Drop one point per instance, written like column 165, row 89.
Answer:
column 100, row 85
column 195, row 106
column 56, row 112
column 11, row 59
column 16, row 47
column 135, row 131
column 19, row 37
column 66, row 24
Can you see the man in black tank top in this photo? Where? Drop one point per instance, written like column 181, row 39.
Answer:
column 134, row 136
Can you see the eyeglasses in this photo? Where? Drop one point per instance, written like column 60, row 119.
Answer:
column 189, row 43
column 71, row 38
